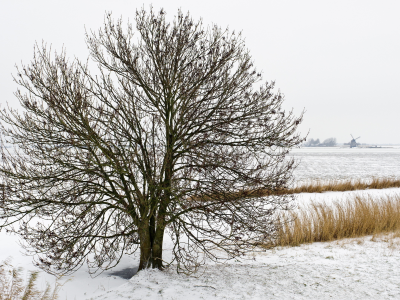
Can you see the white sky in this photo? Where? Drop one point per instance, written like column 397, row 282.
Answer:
column 338, row 60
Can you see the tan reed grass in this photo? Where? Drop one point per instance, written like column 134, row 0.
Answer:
column 12, row 286
column 354, row 217
column 319, row 186
column 316, row 186
column 344, row 185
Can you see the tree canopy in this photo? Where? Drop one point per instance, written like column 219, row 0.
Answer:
column 172, row 132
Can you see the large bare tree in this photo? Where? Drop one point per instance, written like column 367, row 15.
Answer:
column 174, row 132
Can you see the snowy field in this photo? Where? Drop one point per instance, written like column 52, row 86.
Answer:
column 362, row 268
column 317, row 163
column 348, row 269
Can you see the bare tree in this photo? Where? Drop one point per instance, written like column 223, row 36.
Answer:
column 174, row 134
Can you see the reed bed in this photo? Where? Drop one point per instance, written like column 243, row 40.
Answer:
column 353, row 217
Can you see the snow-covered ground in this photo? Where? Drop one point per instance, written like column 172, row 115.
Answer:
column 348, row 269
column 317, row 163
column 362, row 268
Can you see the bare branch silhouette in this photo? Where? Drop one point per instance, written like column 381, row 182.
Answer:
column 167, row 136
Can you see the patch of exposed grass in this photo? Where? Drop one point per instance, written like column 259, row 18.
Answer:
column 353, row 217
column 13, row 287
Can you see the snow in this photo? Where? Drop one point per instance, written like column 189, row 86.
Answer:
column 352, row 268
column 318, row 163
column 330, row 197
column 77, row 286
column 361, row 268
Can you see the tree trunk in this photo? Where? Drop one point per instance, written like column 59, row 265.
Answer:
column 145, row 246
column 150, row 247
column 157, row 249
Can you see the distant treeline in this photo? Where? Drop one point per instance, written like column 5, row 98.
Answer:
column 331, row 142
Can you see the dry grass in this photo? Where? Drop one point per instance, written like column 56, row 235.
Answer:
column 345, row 185
column 311, row 187
column 353, row 217
column 319, row 187
column 13, row 287
column 332, row 186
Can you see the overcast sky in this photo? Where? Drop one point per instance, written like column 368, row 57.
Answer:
column 337, row 60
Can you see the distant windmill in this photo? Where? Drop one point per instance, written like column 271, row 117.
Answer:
column 353, row 142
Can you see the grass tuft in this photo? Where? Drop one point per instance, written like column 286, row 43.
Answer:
column 12, row 286
column 354, row 217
